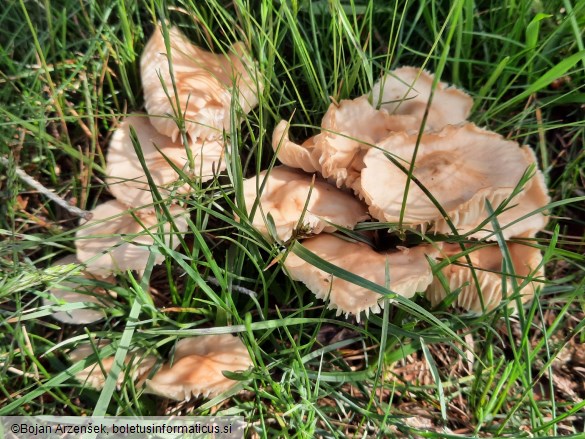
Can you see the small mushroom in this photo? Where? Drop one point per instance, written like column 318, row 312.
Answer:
column 407, row 90
column 197, row 367
column 96, row 374
column 284, row 194
column 71, row 292
column 487, row 265
column 408, row 272
column 126, row 177
column 203, row 82
column 113, row 240
column 461, row 166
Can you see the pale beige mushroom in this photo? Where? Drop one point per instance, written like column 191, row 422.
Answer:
column 197, row 367
column 348, row 130
column 303, row 156
column 69, row 291
column 487, row 265
column 126, row 177
column 114, row 241
column 204, row 83
column 461, row 166
column 96, row 374
column 532, row 198
column 284, row 196
column 407, row 90
column 408, row 272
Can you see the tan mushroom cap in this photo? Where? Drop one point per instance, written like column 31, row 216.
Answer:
column 284, row 196
column 487, row 263
column 409, row 272
column 71, row 292
column 303, row 156
column 407, row 90
column 126, row 178
column 204, row 83
column 533, row 197
column 461, row 166
column 114, row 241
column 348, row 130
column 96, row 374
column 198, row 365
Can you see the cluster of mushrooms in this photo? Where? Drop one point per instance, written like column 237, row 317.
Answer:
column 362, row 159
column 355, row 170
column 203, row 90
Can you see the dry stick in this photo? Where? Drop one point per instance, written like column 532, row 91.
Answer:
column 236, row 288
column 47, row 192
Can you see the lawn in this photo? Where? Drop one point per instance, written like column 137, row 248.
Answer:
column 70, row 73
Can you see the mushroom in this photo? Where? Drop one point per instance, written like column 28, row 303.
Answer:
column 70, row 291
column 408, row 272
column 197, row 367
column 137, row 363
column 487, row 264
column 407, row 90
column 115, row 241
column 532, row 198
column 347, row 131
column 284, row 195
column 126, row 177
column 203, row 83
column 461, row 166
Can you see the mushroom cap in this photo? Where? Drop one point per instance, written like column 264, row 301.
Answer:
column 348, row 130
column 198, row 365
column 93, row 375
column 203, row 81
column 487, row 264
column 114, row 241
column 409, row 272
column 534, row 196
column 284, row 196
column 461, row 166
column 303, row 156
column 125, row 176
column 407, row 90
column 71, row 292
